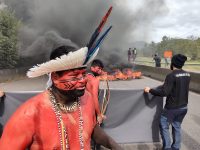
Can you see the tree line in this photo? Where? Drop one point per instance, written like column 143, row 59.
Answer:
column 189, row 46
column 9, row 26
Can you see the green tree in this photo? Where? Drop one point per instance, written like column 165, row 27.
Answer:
column 189, row 46
column 9, row 26
column 198, row 48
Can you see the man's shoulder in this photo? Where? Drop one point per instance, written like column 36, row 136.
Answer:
column 171, row 75
column 178, row 73
column 38, row 98
column 182, row 73
column 92, row 78
column 31, row 105
column 86, row 98
column 93, row 81
column 90, row 74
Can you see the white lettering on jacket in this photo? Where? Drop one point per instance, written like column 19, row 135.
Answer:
column 183, row 75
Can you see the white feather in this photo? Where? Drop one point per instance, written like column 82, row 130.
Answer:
column 65, row 62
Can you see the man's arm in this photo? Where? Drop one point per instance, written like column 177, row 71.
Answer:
column 19, row 130
column 102, row 138
column 163, row 90
column 93, row 88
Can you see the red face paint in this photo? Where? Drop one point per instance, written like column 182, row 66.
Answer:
column 97, row 70
column 69, row 80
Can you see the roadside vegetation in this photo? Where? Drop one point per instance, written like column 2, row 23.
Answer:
column 9, row 26
column 189, row 47
column 190, row 65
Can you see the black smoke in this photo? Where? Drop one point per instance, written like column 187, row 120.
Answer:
column 50, row 23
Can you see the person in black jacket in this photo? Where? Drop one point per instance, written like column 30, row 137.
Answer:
column 176, row 89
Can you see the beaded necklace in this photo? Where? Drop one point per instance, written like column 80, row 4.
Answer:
column 64, row 108
column 64, row 141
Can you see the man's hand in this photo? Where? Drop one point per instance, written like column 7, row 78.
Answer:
column 147, row 89
column 1, row 93
column 100, row 118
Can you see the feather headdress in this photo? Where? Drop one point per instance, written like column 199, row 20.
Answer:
column 75, row 59
column 65, row 62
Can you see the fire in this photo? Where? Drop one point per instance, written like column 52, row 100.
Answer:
column 117, row 74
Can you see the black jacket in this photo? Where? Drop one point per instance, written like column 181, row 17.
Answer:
column 176, row 88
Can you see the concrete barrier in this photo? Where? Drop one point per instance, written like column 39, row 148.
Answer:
column 160, row 74
column 13, row 74
column 152, row 72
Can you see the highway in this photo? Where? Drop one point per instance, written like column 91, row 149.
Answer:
column 191, row 123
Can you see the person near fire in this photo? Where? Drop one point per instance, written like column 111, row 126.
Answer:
column 96, row 69
column 134, row 53
column 129, row 55
column 63, row 116
column 176, row 89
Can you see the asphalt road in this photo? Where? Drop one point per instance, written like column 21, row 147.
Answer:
column 191, row 123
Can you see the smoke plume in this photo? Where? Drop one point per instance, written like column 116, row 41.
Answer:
column 50, row 23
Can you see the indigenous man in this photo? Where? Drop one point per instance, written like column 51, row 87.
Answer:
column 96, row 69
column 62, row 117
column 176, row 89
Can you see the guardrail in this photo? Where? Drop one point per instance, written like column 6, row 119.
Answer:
column 160, row 74
column 153, row 72
column 12, row 74
column 163, row 63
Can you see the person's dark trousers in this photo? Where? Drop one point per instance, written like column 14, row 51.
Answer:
column 171, row 149
column 173, row 117
column 95, row 146
column 98, row 146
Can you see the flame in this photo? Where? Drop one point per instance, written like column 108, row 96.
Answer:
column 117, row 74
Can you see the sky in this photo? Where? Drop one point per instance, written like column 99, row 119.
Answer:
column 173, row 18
column 61, row 22
column 179, row 20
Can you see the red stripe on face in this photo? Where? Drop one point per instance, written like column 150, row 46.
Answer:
column 69, row 80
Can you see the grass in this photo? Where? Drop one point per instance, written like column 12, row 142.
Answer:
column 189, row 65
